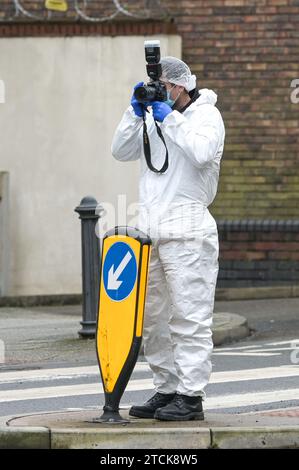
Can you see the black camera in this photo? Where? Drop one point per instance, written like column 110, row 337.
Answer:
column 154, row 90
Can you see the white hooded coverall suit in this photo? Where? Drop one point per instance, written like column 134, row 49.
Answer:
column 184, row 259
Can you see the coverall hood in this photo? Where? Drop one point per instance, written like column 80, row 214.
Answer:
column 206, row 97
column 200, row 97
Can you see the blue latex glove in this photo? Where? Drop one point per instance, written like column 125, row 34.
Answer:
column 138, row 107
column 160, row 110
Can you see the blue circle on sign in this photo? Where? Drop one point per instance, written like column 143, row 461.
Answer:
column 119, row 271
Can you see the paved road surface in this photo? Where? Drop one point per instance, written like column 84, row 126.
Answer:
column 247, row 376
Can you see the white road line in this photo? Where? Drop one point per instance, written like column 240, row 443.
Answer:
column 238, row 348
column 271, row 349
column 67, row 391
column 235, row 353
column 216, row 377
column 247, row 399
column 48, row 374
column 283, row 342
column 144, row 384
column 263, row 346
column 60, row 373
column 255, row 374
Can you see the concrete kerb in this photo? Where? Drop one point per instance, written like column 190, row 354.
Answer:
column 228, row 327
column 24, row 438
column 267, row 437
column 282, row 437
column 133, row 438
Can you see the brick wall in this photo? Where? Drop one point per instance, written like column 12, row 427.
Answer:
column 258, row 253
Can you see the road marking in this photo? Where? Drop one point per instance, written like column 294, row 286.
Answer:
column 255, row 374
column 255, row 350
column 67, row 391
column 60, row 373
column 216, row 377
column 253, row 398
column 247, row 354
column 272, row 349
column 145, row 384
column 72, row 372
column 259, row 347
column 253, row 346
column 283, row 342
column 48, row 374
column 213, row 402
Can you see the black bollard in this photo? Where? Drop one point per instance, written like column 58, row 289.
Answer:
column 90, row 265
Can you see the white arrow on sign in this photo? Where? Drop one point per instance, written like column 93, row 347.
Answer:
column 113, row 283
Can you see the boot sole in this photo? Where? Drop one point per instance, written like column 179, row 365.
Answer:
column 141, row 414
column 198, row 416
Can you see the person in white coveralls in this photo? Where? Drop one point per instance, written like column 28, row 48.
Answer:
column 184, row 260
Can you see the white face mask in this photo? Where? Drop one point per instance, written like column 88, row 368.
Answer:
column 169, row 100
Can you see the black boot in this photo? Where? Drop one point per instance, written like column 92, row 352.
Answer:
column 182, row 408
column 148, row 409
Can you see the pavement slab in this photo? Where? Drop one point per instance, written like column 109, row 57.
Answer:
column 76, row 429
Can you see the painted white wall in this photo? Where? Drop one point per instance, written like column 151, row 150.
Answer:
column 2, row 92
column 4, row 232
column 64, row 98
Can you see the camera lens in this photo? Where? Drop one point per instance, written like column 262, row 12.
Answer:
column 145, row 93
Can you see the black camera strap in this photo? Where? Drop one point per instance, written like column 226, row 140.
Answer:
column 147, row 148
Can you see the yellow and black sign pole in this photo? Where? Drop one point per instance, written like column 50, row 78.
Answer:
column 124, row 272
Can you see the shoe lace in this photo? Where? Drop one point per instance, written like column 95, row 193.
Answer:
column 178, row 399
column 156, row 397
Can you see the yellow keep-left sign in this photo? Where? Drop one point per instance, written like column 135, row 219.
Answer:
column 124, row 271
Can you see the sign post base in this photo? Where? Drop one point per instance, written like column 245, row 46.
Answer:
column 111, row 417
